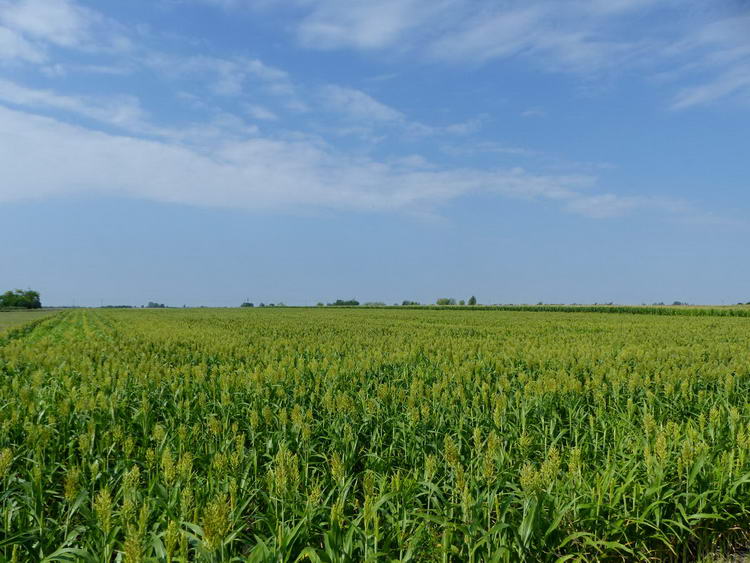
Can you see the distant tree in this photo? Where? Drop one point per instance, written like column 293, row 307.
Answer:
column 407, row 303
column 472, row 300
column 320, row 304
column 28, row 299
column 343, row 303
column 462, row 302
column 446, row 301
column 154, row 305
column 247, row 304
column 262, row 304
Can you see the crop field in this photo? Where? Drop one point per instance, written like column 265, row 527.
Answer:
column 10, row 319
column 380, row 434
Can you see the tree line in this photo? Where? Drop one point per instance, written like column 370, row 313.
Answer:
column 443, row 301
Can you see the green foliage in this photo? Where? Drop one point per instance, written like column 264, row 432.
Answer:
column 344, row 303
column 21, row 299
column 247, row 304
column 373, row 434
column 442, row 301
column 472, row 300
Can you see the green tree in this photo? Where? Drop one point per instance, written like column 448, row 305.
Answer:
column 28, row 299
column 472, row 300
column 344, row 303
column 446, row 301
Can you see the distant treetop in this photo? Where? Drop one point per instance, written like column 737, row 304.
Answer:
column 343, row 303
column 28, row 299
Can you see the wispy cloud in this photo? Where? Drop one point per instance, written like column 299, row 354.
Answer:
column 258, row 111
column 125, row 114
column 63, row 23
column 362, row 24
column 56, row 21
column 359, row 105
column 735, row 82
column 120, row 111
column 719, row 54
column 706, row 43
column 230, row 74
column 14, row 47
column 366, row 111
column 220, row 159
column 45, row 157
column 575, row 35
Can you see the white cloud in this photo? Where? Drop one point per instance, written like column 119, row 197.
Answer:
column 369, row 113
column 223, row 161
column 362, row 23
column 62, row 23
column 56, row 21
column 719, row 52
column 125, row 113
column 587, row 37
column 731, row 83
column 490, row 34
column 572, row 35
column 258, row 111
column 42, row 157
column 13, row 46
column 120, row 111
column 230, row 75
column 359, row 105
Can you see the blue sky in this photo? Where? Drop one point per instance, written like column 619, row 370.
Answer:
column 208, row 151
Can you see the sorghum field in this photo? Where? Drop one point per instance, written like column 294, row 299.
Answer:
column 9, row 319
column 353, row 435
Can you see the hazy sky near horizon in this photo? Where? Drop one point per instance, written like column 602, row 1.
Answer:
column 204, row 152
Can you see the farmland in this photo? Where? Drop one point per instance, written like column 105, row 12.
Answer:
column 14, row 318
column 349, row 435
